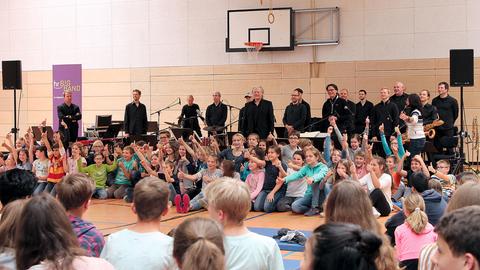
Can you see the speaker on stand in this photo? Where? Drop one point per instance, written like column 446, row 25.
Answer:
column 461, row 74
column 12, row 80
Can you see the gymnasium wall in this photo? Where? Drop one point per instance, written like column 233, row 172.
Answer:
column 155, row 33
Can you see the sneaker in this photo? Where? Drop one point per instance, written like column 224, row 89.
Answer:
column 186, row 203
column 375, row 212
column 178, row 203
column 312, row 212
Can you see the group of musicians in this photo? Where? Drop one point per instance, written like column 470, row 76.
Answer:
column 257, row 116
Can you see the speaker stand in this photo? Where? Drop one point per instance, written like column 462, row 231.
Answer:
column 14, row 130
column 461, row 162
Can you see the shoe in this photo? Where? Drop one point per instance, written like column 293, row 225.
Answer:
column 126, row 199
column 312, row 212
column 186, row 203
column 178, row 203
column 375, row 212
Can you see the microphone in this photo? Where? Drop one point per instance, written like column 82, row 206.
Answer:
column 348, row 109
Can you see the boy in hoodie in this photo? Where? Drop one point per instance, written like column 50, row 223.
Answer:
column 434, row 204
column 74, row 193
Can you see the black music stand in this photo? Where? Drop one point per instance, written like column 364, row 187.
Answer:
column 37, row 133
column 152, row 127
column 280, row 131
column 112, row 131
column 181, row 132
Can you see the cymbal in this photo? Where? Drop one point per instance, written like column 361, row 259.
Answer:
column 172, row 124
column 214, row 128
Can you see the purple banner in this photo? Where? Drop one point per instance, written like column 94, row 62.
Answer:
column 67, row 78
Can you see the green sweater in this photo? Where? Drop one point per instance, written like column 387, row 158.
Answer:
column 98, row 174
column 317, row 173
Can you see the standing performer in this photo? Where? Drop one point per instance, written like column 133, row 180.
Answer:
column 189, row 116
column 68, row 114
column 386, row 113
column 335, row 108
column 351, row 108
column 216, row 114
column 259, row 117
column 295, row 115
column 135, row 121
column 241, row 114
column 302, row 101
column 363, row 110
column 430, row 113
column 447, row 107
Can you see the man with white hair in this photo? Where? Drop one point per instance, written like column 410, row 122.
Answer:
column 259, row 117
column 216, row 114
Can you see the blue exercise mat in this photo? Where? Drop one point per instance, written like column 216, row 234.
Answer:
column 270, row 232
column 291, row 264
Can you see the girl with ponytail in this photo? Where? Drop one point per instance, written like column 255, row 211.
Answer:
column 198, row 244
column 415, row 233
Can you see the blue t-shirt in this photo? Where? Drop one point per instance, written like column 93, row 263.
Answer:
column 271, row 174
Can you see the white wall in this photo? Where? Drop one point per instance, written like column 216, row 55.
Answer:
column 150, row 33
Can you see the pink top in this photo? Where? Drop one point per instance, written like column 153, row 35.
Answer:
column 80, row 263
column 409, row 244
column 255, row 183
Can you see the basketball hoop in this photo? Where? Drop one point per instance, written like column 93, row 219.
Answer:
column 253, row 48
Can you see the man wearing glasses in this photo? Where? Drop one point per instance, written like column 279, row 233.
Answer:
column 335, row 108
column 295, row 115
column 216, row 114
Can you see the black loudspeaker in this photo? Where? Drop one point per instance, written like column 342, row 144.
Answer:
column 12, row 74
column 461, row 67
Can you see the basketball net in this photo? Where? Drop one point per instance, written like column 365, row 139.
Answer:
column 253, row 48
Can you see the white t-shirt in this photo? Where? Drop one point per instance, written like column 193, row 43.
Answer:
column 296, row 188
column 41, row 168
column 253, row 252
column 385, row 185
column 127, row 249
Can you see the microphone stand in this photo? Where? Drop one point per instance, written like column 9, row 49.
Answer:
column 163, row 109
column 314, row 123
column 230, row 112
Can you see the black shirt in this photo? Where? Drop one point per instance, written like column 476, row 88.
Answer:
column 430, row 114
column 271, row 174
column 386, row 113
column 335, row 107
column 295, row 115
column 309, row 112
column 259, row 118
column 361, row 114
column 400, row 101
column 447, row 111
column 189, row 116
column 349, row 123
column 70, row 115
column 216, row 115
column 135, row 120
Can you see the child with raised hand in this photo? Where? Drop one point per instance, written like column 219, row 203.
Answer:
column 295, row 189
column 198, row 245
column 20, row 154
column 58, row 163
column 314, row 172
column 378, row 184
column 229, row 203
column 98, row 172
column 272, row 191
column 394, row 142
column 442, row 175
column 398, row 187
column 207, row 176
column 415, row 233
column 360, row 162
column 256, row 177
column 126, row 164
column 40, row 169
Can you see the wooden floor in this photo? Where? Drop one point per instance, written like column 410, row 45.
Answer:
column 112, row 215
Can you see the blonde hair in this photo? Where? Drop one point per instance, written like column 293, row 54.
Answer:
column 97, row 143
column 239, row 135
column 198, row 244
column 415, row 206
column 231, row 196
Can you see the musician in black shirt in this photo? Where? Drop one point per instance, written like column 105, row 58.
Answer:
column 216, row 114
column 430, row 113
column 335, row 107
column 351, row 108
column 399, row 98
column 189, row 116
column 363, row 109
column 135, row 120
column 447, row 108
column 259, row 117
column 386, row 113
column 294, row 115
column 241, row 114
column 70, row 114
column 302, row 101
